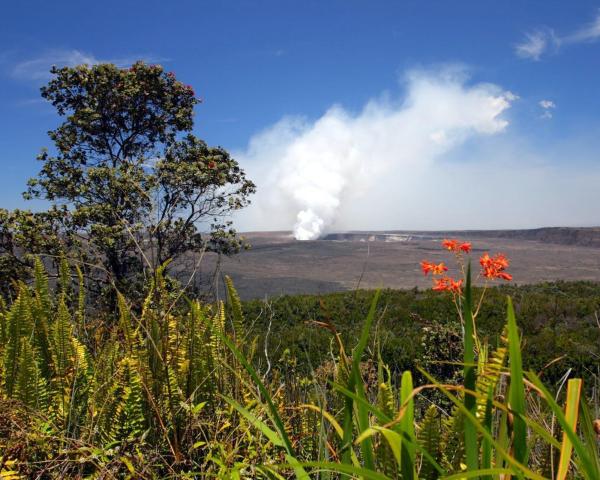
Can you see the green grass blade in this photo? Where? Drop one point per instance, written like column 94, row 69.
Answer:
column 256, row 422
column 357, row 472
column 516, row 394
column 355, row 384
column 588, row 432
column 486, row 446
column 470, row 374
column 484, row 472
column 503, row 454
column 395, row 439
column 272, row 410
column 407, row 451
column 586, row 462
column 379, row 414
column 363, row 423
column 571, row 416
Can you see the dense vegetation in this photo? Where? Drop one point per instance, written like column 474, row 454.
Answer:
column 420, row 328
column 178, row 390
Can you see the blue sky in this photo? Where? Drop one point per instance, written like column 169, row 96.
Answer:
column 257, row 62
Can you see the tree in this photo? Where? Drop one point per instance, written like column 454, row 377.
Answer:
column 22, row 235
column 133, row 185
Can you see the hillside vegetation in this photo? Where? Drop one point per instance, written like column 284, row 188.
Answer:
column 419, row 327
column 181, row 389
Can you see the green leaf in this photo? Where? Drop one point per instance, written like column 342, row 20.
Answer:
column 588, row 467
column 355, row 384
column 407, row 463
column 470, row 374
column 273, row 436
column 571, row 416
column 516, row 393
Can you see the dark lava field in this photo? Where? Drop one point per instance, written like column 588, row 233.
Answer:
column 277, row 264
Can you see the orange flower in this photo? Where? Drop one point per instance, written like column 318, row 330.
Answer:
column 455, row 246
column 501, row 261
column 450, row 245
column 485, row 261
column 447, row 284
column 455, row 286
column 505, row 276
column 493, row 267
column 440, row 284
column 438, row 269
column 426, row 267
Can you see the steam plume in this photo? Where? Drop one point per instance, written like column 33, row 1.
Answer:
column 309, row 169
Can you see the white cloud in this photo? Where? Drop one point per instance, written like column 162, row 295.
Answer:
column 547, row 106
column 39, row 68
column 534, row 45
column 309, row 173
column 587, row 33
column 443, row 157
column 541, row 41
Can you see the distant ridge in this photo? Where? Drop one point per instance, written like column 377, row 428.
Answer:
column 581, row 236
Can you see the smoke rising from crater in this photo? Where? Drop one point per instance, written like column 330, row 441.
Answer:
column 307, row 171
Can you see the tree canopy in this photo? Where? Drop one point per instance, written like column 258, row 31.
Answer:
column 128, row 182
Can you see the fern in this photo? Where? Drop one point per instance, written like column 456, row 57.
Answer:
column 236, row 309
column 41, row 288
column 132, row 421
column 64, row 276
column 490, row 372
column 80, row 315
column 62, row 350
column 387, row 404
column 452, row 441
column 3, row 324
column 429, row 438
column 125, row 323
column 196, row 369
column 41, row 312
column 62, row 347
column 107, row 422
column 30, row 385
column 386, row 400
column 19, row 325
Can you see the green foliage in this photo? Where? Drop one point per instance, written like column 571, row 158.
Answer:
column 24, row 234
column 30, row 386
column 430, row 439
column 419, row 328
column 174, row 391
column 129, row 186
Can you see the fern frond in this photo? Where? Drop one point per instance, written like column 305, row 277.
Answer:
column 80, row 315
column 61, row 344
column 132, row 421
column 64, row 276
column 490, row 373
column 452, row 441
column 125, row 322
column 30, row 385
column 429, row 438
column 42, row 307
column 236, row 309
column 386, row 400
column 19, row 325
column 41, row 288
